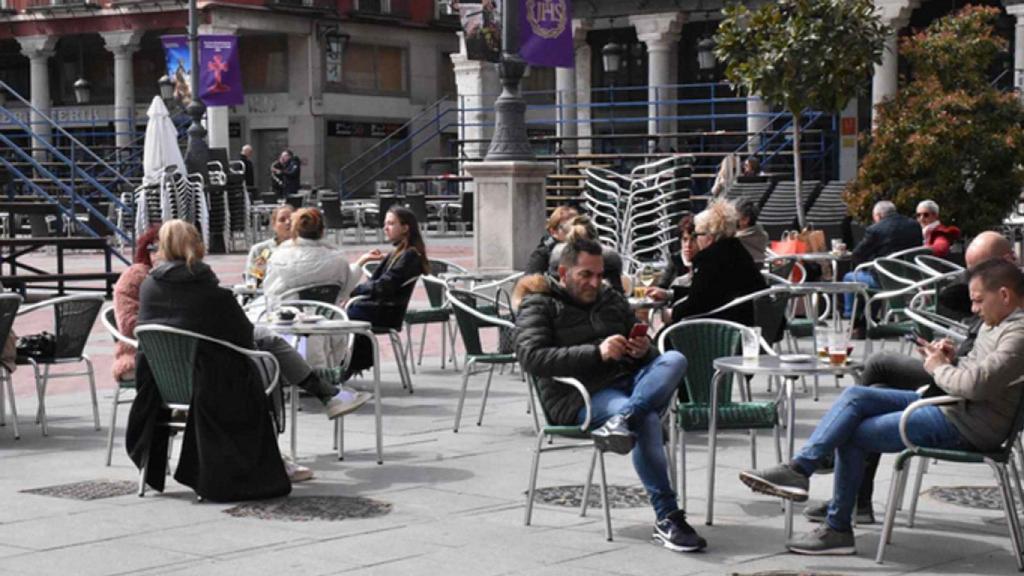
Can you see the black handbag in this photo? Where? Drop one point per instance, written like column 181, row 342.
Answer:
column 37, row 346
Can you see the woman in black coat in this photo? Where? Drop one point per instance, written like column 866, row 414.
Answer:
column 723, row 269
column 229, row 414
column 386, row 295
column 541, row 255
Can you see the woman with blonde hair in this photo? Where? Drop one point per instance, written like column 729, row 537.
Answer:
column 541, row 255
column 723, row 269
column 583, row 227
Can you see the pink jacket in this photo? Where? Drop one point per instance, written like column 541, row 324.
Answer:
column 126, row 311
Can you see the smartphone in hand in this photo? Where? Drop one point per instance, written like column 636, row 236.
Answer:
column 639, row 330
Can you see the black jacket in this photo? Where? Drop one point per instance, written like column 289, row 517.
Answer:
column 557, row 336
column 388, row 298
column 722, row 272
column 229, row 449
column 289, row 174
column 891, row 234
column 541, row 255
column 250, row 174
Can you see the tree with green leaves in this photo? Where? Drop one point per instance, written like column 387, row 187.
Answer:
column 800, row 55
column 948, row 135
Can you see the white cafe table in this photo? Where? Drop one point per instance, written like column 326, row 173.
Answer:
column 768, row 366
column 331, row 328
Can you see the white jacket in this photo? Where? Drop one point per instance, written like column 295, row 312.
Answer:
column 302, row 262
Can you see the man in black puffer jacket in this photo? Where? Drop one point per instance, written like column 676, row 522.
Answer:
column 577, row 327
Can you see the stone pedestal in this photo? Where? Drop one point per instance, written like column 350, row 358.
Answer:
column 217, row 120
column 508, row 212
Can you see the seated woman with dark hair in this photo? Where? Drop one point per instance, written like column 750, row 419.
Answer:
column 674, row 282
column 388, row 291
column 723, row 269
column 583, row 227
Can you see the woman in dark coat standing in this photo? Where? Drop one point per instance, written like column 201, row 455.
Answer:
column 723, row 269
column 387, row 293
column 229, row 415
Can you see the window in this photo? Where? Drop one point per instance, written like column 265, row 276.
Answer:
column 265, row 63
column 371, row 69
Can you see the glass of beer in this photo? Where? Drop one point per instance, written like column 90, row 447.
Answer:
column 838, row 349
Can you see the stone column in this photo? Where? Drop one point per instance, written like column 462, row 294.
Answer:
column 583, row 85
column 885, row 81
column 478, row 86
column 123, row 44
column 848, row 141
column 1017, row 11
column 509, row 214
column 757, row 119
column 660, row 32
column 38, row 50
column 565, row 90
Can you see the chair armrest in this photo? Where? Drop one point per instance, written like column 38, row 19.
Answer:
column 583, row 392
column 496, row 283
column 355, row 299
column 905, row 417
column 489, row 320
column 255, row 354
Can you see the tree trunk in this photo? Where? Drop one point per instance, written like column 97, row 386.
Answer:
column 798, row 170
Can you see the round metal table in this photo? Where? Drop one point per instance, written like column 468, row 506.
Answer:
column 767, row 366
column 330, row 328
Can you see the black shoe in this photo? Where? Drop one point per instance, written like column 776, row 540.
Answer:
column 818, row 511
column 675, row 534
column 827, row 465
column 615, row 435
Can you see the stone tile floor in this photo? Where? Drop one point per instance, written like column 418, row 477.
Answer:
column 456, row 500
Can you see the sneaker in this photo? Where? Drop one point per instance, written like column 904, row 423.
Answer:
column 346, row 401
column 675, row 534
column 827, row 465
column 824, row 541
column 297, row 472
column 781, row 481
column 818, row 511
column 614, row 435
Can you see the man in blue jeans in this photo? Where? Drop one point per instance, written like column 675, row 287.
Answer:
column 891, row 232
column 579, row 327
column 865, row 420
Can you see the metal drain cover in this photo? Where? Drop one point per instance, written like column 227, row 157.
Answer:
column 306, row 508
column 87, row 490
column 572, row 496
column 981, row 497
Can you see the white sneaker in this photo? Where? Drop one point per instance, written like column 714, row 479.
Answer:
column 345, row 401
column 297, row 472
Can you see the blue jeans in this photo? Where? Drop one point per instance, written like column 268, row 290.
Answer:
column 645, row 395
column 857, row 276
column 864, row 420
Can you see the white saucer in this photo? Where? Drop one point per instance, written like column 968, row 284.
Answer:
column 795, row 358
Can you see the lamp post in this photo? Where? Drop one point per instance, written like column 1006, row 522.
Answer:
column 510, row 141
column 82, row 88
column 611, row 61
column 198, row 151
column 706, row 55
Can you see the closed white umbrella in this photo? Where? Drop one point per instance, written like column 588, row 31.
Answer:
column 160, row 149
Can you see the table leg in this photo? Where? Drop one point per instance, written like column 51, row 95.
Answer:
column 790, row 426
column 712, row 444
column 811, row 309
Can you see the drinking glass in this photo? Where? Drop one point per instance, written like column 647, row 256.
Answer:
column 838, row 349
column 752, row 342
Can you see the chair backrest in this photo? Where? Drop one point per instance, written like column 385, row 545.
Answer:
column 9, row 304
column 770, row 314
column 171, row 356
column 417, row 203
column 268, row 197
column 908, row 254
column 328, row 293
column 73, row 319
column 894, row 274
column 470, row 309
column 295, row 200
column 436, row 289
column 109, row 320
column 936, row 265
column 702, row 341
column 333, row 218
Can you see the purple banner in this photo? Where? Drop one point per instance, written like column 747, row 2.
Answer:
column 545, row 33
column 220, row 76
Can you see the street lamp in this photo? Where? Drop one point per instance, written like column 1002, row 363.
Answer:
column 510, row 142
column 611, row 57
column 198, row 151
column 166, row 88
column 706, row 54
column 82, row 88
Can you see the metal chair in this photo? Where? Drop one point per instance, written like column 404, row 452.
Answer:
column 1001, row 461
column 73, row 319
column 701, row 341
column 437, row 313
column 326, row 293
column 574, row 432
column 471, row 320
column 394, row 334
column 9, row 304
column 171, row 354
column 936, row 266
column 109, row 320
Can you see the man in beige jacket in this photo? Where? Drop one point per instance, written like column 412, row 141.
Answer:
column 866, row 419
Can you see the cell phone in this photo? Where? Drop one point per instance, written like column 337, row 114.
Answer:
column 639, row 330
column 915, row 338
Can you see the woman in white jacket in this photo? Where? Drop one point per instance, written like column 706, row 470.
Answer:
column 306, row 260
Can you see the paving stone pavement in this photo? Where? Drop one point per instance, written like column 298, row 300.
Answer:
column 456, row 500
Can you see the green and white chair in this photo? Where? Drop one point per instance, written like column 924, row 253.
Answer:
column 9, row 304
column 109, row 320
